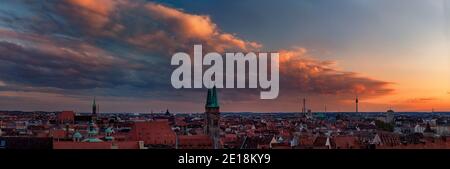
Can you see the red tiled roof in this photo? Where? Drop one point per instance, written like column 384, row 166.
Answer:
column 428, row 144
column 58, row 134
column 181, row 123
column 127, row 144
column 81, row 145
column 320, row 141
column 230, row 138
column 306, row 141
column 346, row 142
column 194, row 142
column 281, row 146
column 66, row 116
column 98, row 145
column 153, row 132
column 389, row 139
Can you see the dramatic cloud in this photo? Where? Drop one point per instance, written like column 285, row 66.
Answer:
column 94, row 16
column 37, row 60
column 187, row 26
column 120, row 48
column 82, row 52
column 301, row 72
column 147, row 25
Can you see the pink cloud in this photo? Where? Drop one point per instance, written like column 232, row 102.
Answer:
column 303, row 72
column 186, row 25
column 95, row 16
column 181, row 30
column 157, row 27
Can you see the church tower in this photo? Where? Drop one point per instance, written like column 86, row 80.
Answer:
column 94, row 111
column 212, row 116
column 94, row 108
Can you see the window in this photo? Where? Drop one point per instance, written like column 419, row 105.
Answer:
column 2, row 144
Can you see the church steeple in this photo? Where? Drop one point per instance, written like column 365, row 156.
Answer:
column 94, row 107
column 211, row 99
column 212, row 117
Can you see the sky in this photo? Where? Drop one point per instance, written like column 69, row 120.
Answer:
column 59, row 54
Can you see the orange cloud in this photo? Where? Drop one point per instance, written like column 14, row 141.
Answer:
column 100, row 7
column 147, row 42
column 286, row 55
column 303, row 72
column 94, row 15
column 187, row 25
column 186, row 29
column 156, row 27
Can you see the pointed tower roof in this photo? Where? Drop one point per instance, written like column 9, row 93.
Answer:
column 93, row 102
column 77, row 135
column 211, row 98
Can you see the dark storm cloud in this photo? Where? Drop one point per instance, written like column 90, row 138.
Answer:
column 67, row 64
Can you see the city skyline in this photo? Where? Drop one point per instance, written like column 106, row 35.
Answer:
column 59, row 55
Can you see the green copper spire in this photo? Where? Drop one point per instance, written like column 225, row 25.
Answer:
column 211, row 99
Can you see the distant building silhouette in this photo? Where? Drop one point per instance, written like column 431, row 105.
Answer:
column 304, row 105
column 94, row 107
column 94, row 110
column 390, row 116
column 167, row 113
